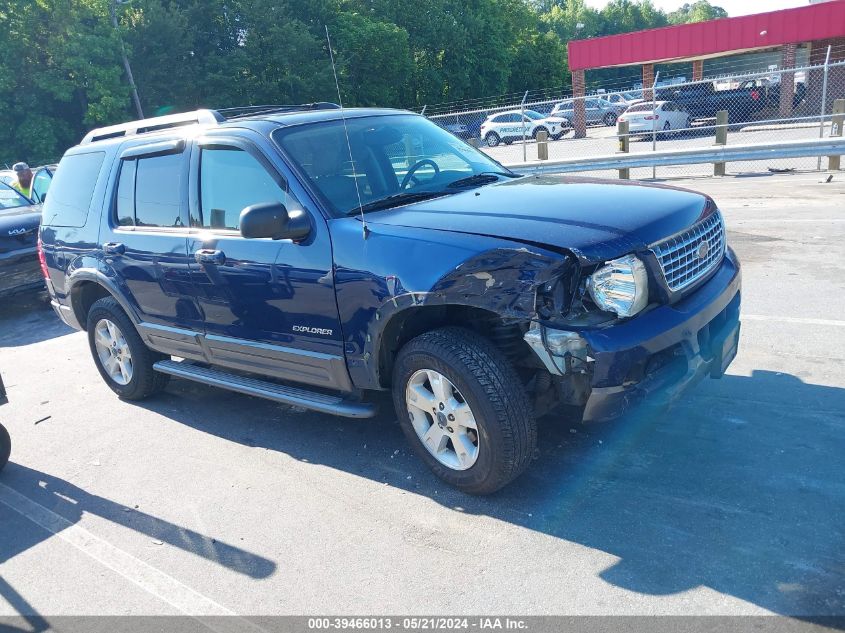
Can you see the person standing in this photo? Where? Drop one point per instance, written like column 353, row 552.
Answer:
column 23, row 179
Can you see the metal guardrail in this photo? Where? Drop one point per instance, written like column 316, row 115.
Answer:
column 694, row 156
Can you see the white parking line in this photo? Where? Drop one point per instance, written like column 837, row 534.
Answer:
column 797, row 320
column 145, row 576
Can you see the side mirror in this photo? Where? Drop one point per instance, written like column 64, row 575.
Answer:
column 273, row 220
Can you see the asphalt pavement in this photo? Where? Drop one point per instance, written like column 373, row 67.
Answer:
column 200, row 501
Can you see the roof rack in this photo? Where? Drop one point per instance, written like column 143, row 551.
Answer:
column 256, row 110
column 208, row 117
column 155, row 124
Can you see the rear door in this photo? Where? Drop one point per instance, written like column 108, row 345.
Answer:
column 269, row 305
column 145, row 244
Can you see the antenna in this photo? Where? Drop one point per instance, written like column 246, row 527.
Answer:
column 346, row 131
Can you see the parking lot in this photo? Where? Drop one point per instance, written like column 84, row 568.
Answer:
column 603, row 141
column 202, row 501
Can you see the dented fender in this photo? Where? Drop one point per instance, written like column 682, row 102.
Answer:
column 398, row 269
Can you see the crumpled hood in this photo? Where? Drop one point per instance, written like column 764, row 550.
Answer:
column 595, row 219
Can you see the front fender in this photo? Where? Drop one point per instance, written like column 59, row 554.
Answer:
column 396, row 269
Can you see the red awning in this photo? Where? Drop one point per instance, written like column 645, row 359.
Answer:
column 702, row 39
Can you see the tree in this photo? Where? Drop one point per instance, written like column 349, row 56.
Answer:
column 698, row 11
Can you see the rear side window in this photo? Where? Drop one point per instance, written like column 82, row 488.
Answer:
column 40, row 184
column 149, row 192
column 72, row 189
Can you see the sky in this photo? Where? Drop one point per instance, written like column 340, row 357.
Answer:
column 733, row 7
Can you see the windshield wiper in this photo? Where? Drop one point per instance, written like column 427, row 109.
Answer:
column 396, row 199
column 483, row 178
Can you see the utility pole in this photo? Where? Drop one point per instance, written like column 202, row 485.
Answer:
column 137, row 101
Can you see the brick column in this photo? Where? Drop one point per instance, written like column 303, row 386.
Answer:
column 579, row 111
column 648, row 81
column 697, row 69
column 815, row 79
column 787, row 80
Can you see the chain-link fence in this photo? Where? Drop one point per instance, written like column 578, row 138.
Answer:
column 757, row 107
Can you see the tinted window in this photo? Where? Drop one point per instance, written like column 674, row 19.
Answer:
column 230, row 180
column 72, row 189
column 125, row 201
column 40, row 184
column 498, row 119
column 158, row 187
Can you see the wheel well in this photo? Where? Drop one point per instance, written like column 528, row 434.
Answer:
column 82, row 297
column 408, row 324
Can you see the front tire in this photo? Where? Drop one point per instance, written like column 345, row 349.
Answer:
column 464, row 410
column 122, row 359
column 610, row 119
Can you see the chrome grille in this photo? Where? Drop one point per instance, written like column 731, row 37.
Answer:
column 684, row 260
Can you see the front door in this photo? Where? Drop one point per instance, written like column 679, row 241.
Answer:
column 269, row 305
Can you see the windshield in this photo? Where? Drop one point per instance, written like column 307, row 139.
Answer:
column 398, row 158
column 10, row 199
column 531, row 114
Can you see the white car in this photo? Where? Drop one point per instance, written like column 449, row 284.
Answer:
column 659, row 116
column 507, row 127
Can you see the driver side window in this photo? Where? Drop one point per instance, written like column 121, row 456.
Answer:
column 231, row 179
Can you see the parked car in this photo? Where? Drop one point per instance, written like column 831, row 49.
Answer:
column 622, row 99
column 509, row 126
column 19, row 266
column 5, row 440
column 771, row 91
column 250, row 250
column 42, row 177
column 598, row 111
column 703, row 100
column 7, row 176
column 660, row 116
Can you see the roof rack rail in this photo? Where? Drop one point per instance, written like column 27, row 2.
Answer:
column 155, row 124
column 256, row 110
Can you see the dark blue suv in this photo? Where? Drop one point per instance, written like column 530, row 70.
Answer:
column 313, row 256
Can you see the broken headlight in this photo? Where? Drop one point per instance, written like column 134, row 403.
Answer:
column 620, row 286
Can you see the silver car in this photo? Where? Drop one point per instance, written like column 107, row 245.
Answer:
column 599, row 111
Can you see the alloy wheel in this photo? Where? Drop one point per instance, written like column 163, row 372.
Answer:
column 442, row 419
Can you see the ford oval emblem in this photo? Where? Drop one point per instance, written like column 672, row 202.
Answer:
column 703, row 249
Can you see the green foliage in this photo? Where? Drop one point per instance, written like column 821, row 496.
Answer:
column 698, row 11
column 62, row 73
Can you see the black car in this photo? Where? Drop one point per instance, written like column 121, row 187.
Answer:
column 315, row 257
column 19, row 266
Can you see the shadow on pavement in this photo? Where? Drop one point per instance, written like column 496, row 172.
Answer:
column 739, row 488
column 27, row 318
column 71, row 503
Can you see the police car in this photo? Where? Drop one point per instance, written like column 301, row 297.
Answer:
column 506, row 127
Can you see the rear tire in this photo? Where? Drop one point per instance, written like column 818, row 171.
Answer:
column 125, row 363
column 492, row 139
column 5, row 446
column 480, row 386
column 610, row 119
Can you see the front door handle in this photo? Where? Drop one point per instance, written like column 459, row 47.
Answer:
column 114, row 248
column 210, row 256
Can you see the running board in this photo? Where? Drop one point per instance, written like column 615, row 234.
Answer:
column 315, row 401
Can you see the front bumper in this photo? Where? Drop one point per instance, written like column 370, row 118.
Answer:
column 657, row 355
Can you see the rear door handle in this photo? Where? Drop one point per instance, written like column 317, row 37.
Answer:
column 114, row 248
column 209, row 256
